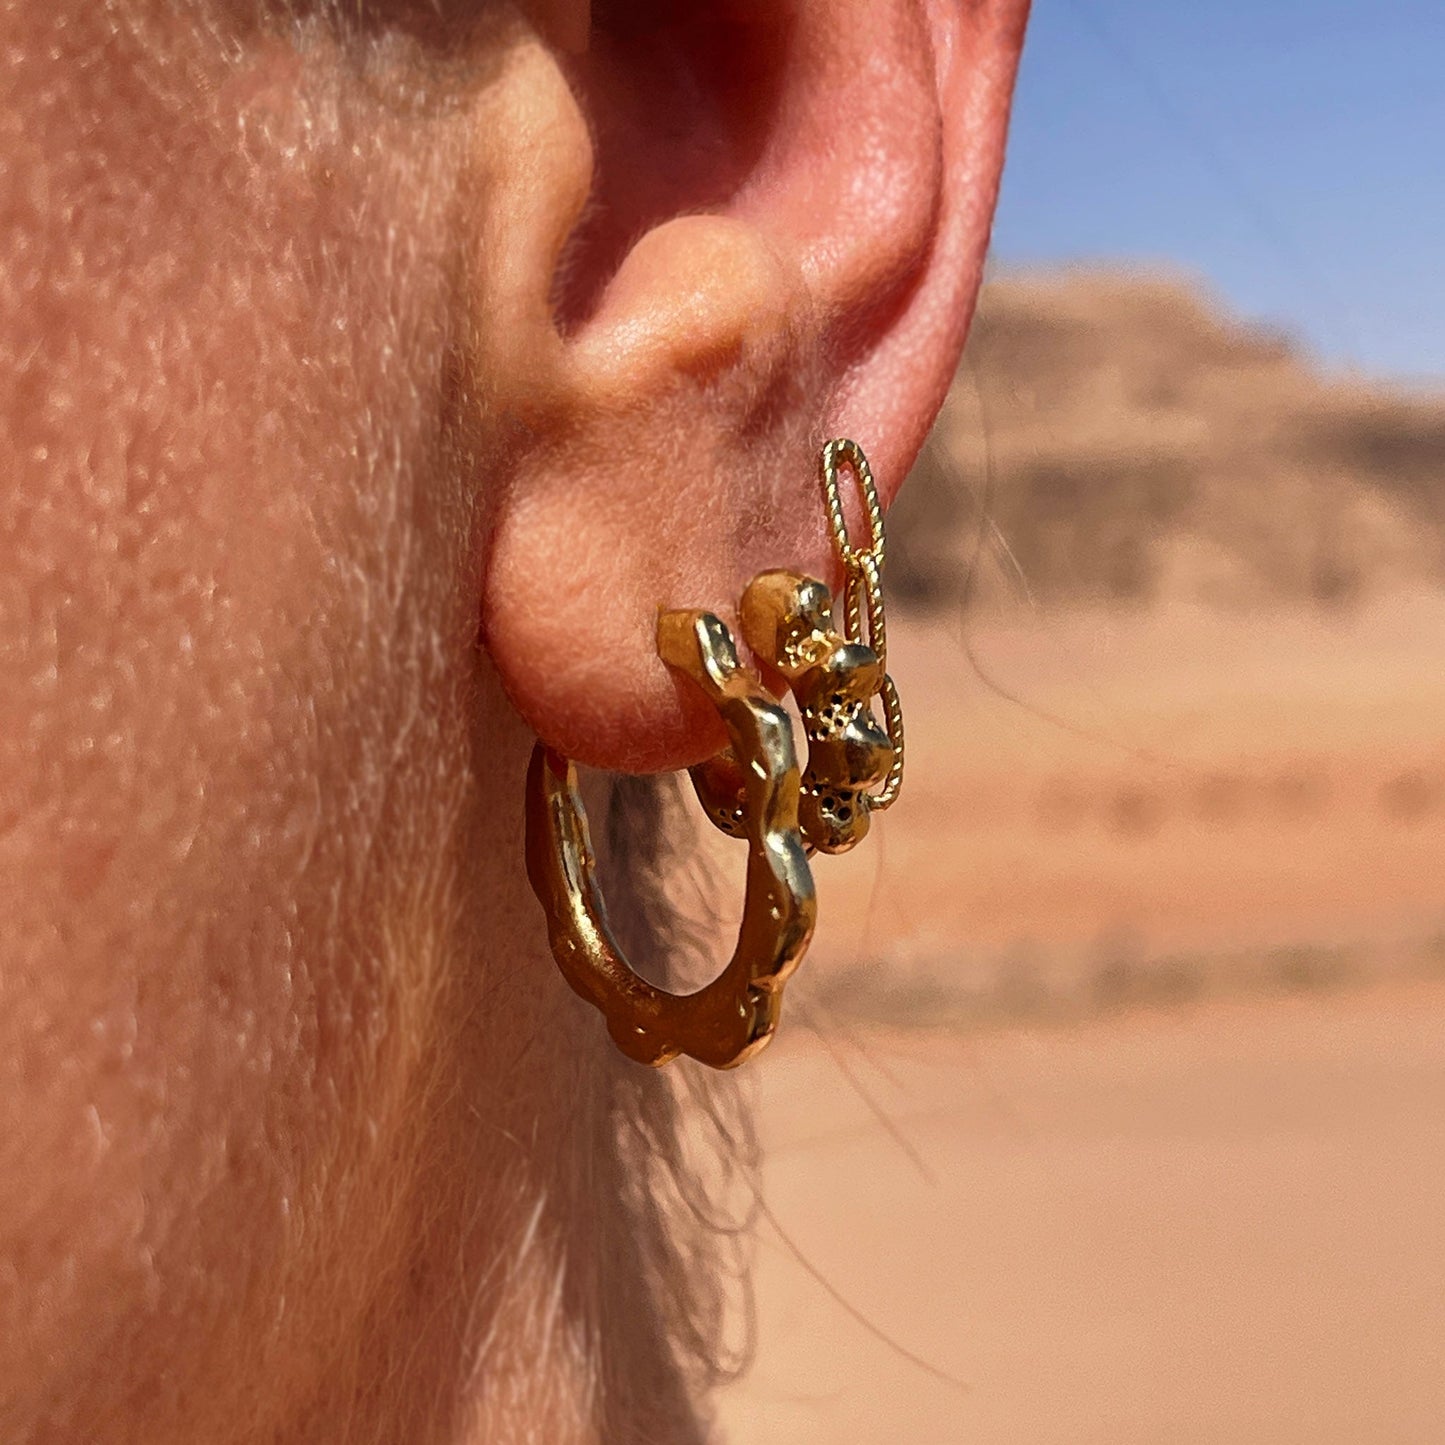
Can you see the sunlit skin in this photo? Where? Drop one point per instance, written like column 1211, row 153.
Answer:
column 368, row 379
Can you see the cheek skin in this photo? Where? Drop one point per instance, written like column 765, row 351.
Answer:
column 242, row 832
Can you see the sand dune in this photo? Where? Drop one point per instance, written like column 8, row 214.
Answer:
column 1210, row 1229
column 1154, row 806
column 1117, row 438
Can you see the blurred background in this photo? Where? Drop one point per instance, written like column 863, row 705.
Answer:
column 1112, row 1102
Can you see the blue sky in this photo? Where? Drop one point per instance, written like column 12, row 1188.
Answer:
column 1291, row 153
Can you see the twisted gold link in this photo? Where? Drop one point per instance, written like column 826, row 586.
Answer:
column 850, row 452
column 872, row 589
column 863, row 590
column 854, row 605
column 887, row 795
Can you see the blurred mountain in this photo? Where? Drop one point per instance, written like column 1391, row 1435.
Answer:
column 1116, row 438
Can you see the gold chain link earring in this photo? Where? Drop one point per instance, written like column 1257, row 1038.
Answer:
column 753, row 790
column 787, row 621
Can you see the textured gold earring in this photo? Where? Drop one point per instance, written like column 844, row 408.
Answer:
column 752, row 790
column 734, row 1016
column 834, row 675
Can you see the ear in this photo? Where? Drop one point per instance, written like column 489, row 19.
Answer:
column 727, row 231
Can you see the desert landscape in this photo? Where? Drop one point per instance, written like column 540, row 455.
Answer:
column 1112, row 1101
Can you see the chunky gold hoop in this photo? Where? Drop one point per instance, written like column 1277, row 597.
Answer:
column 733, row 1017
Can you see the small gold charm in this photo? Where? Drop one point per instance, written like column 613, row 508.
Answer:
column 787, row 620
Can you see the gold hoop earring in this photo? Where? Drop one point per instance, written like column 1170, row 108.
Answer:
column 734, row 1016
column 752, row 790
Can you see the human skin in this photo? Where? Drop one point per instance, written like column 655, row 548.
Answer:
column 368, row 377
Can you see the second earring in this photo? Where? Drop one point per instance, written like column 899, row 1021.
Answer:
column 855, row 764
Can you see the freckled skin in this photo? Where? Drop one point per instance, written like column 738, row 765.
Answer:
column 302, row 1137
column 238, row 744
column 252, row 856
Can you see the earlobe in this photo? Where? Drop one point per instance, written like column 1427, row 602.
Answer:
column 669, row 424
